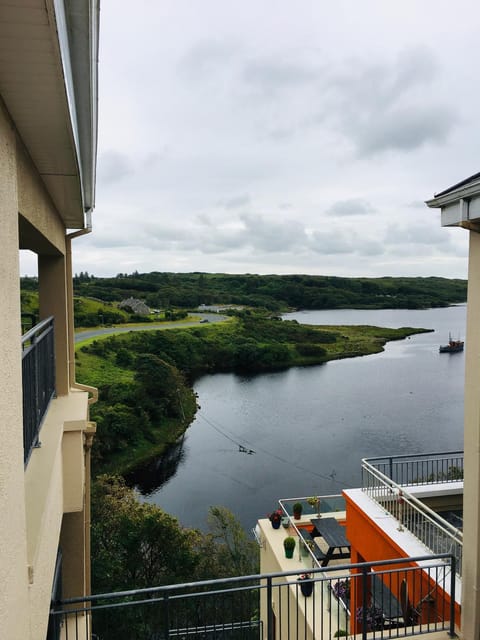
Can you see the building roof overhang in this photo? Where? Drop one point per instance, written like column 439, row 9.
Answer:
column 48, row 83
column 459, row 204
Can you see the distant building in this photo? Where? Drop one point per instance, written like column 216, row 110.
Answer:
column 136, row 306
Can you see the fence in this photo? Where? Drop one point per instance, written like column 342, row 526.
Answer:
column 430, row 528
column 392, row 598
column 422, row 469
column 38, row 375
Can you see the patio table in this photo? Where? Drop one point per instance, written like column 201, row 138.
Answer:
column 334, row 535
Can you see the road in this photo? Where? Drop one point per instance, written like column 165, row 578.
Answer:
column 86, row 334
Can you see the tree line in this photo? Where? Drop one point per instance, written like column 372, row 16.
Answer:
column 275, row 292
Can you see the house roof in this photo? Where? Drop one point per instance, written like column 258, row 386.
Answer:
column 462, row 183
column 48, row 83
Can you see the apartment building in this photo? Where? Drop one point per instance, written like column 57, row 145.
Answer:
column 48, row 137
column 460, row 207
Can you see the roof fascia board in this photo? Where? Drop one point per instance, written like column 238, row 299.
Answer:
column 454, row 196
column 77, row 28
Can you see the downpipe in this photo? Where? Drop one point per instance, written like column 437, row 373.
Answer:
column 93, row 398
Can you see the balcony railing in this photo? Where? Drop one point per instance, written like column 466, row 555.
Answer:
column 436, row 533
column 392, row 598
column 428, row 468
column 38, row 374
column 314, row 505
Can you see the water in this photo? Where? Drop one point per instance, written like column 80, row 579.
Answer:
column 309, row 426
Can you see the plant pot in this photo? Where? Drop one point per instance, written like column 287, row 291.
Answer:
column 297, row 515
column 276, row 524
column 289, row 553
column 285, row 522
column 306, row 587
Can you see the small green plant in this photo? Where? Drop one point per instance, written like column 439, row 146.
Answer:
column 297, row 510
column 289, row 543
column 340, row 633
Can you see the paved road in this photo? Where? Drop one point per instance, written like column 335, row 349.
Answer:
column 149, row 326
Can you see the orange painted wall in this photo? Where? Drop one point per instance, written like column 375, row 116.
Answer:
column 369, row 543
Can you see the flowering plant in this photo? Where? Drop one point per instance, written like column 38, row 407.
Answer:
column 373, row 617
column 341, row 589
column 276, row 515
column 305, row 576
column 314, row 501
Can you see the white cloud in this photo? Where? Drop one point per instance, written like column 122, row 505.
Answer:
column 252, row 138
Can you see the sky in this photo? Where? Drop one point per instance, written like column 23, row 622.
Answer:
column 269, row 136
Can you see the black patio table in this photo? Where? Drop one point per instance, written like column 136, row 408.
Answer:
column 334, row 535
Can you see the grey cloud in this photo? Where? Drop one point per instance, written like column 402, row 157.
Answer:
column 113, row 166
column 387, row 106
column 268, row 235
column 406, row 128
column 330, row 242
column 351, row 207
column 271, row 76
column 207, row 58
column 235, row 202
column 340, row 242
column 417, row 234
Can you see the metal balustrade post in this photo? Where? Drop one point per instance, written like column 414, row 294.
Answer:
column 166, row 617
column 364, row 603
column 270, row 621
column 451, row 631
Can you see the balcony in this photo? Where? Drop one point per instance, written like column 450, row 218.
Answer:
column 38, row 375
column 273, row 605
column 412, row 489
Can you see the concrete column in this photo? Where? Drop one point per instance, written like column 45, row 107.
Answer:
column 471, row 497
column 13, row 548
column 52, row 281
column 72, row 543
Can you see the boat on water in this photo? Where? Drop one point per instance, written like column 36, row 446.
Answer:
column 453, row 346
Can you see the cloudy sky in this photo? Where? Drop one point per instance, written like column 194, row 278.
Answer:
column 272, row 136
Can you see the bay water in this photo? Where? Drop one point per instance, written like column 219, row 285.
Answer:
column 303, row 431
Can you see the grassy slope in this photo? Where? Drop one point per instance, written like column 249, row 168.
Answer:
column 95, row 370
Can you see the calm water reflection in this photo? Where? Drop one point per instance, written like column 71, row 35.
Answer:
column 309, row 427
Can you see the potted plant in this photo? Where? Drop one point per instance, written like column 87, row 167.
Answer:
column 275, row 518
column 314, row 502
column 306, row 584
column 341, row 590
column 373, row 616
column 289, row 546
column 285, row 522
column 297, row 510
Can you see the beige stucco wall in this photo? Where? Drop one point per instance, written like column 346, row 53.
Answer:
column 33, row 499
column 301, row 618
column 471, row 496
column 35, row 205
column 13, row 550
column 54, row 483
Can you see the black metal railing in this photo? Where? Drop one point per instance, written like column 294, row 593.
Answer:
column 421, row 469
column 38, row 374
column 391, row 598
column 394, row 497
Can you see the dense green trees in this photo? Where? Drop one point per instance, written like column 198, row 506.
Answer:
column 137, row 545
column 162, row 290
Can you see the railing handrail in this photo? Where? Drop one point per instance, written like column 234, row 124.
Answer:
column 441, row 454
column 322, row 497
column 440, row 522
column 31, row 333
column 260, row 576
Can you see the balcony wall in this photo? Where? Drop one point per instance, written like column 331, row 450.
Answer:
column 55, row 484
